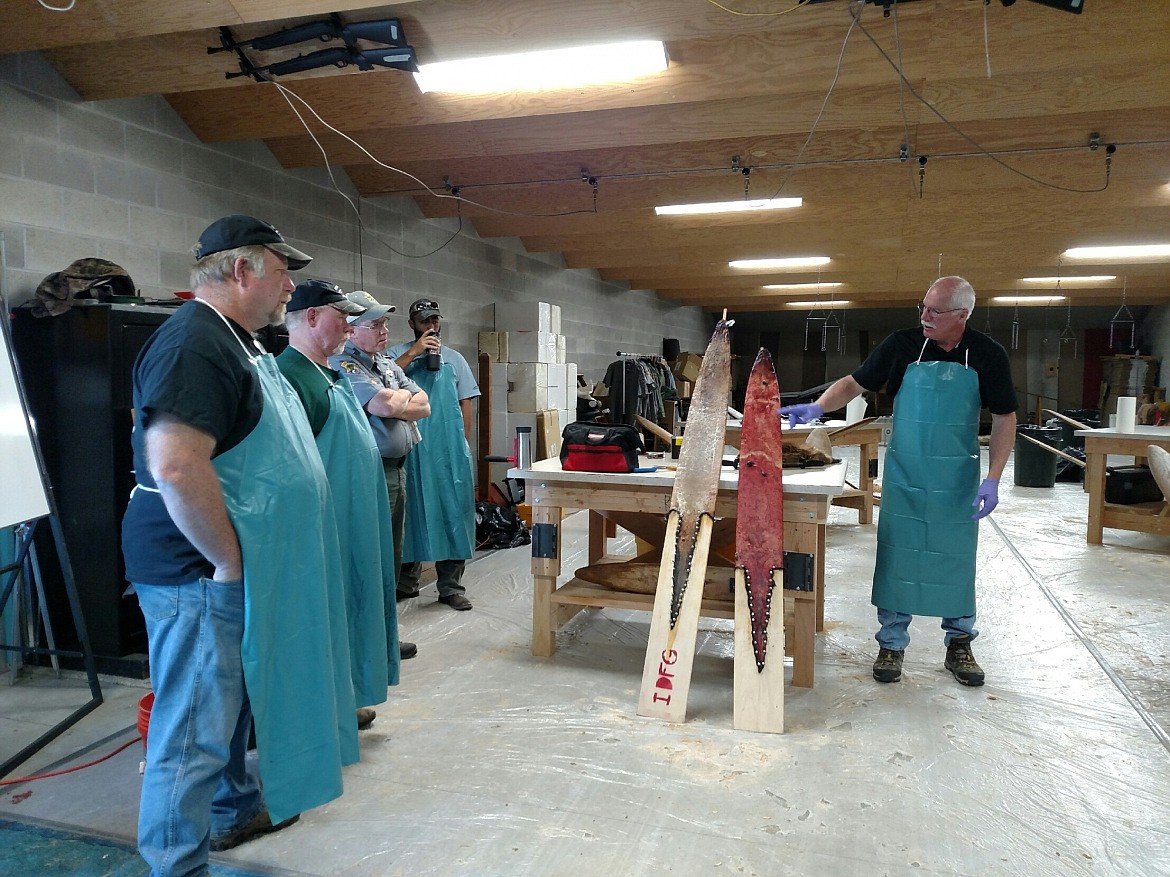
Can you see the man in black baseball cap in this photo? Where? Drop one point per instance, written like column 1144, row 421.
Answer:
column 319, row 294
column 423, row 309
column 238, row 230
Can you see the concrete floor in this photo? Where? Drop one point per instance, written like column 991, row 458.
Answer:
column 487, row 761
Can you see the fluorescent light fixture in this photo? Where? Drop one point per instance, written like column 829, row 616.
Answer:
column 802, row 285
column 1072, row 279
column 1028, row 299
column 817, row 304
column 792, row 262
column 728, row 206
column 1140, row 251
column 546, row 70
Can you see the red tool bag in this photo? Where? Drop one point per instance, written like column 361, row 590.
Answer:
column 600, row 447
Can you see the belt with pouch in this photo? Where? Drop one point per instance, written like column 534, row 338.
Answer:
column 394, row 462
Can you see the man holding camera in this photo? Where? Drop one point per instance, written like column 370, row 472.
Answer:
column 440, row 518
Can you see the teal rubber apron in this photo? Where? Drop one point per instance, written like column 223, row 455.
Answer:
column 440, row 481
column 926, row 538
column 354, row 469
column 295, row 647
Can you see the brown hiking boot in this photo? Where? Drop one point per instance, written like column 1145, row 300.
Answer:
column 888, row 666
column 258, row 825
column 961, row 662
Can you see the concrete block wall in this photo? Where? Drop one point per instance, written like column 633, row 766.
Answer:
column 126, row 180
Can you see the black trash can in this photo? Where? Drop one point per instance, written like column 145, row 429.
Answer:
column 1090, row 417
column 1036, row 467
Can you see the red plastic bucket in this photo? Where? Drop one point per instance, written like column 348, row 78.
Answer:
column 144, row 705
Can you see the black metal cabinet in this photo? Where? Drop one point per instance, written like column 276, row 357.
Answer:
column 77, row 373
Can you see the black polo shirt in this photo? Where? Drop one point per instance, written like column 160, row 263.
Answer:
column 194, row 369
column 886, row 366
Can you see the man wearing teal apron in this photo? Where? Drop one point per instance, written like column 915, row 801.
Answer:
column 317, row 329
column 230, row 542
column 940, row 376
column 440, row 481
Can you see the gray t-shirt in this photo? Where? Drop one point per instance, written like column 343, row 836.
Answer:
column 367, row 376
column 466, row 387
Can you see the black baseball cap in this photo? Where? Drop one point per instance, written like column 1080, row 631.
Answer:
column 238, row 230
column 318, row 294
column 423, row 309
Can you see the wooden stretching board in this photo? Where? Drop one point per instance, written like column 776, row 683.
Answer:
column 674, row 625
column 759, row 558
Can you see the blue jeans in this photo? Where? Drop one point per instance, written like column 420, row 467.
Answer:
column 894, row 633
column 196, row 782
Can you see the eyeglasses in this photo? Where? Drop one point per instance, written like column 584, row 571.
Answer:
column 935, row 312
column 375, row 327
column 423, row 305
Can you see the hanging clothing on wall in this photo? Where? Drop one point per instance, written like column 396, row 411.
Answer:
column 637, row 385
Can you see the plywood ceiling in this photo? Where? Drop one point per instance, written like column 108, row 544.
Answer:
column 1001, row 102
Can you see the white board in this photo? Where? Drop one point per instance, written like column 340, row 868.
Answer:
column 22, row 490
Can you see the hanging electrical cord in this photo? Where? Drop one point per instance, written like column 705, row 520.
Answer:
column 824, row 103
column 760, row 14
column 284, row 90
column 986, row 43
column 906, row 144
column 1109, row 150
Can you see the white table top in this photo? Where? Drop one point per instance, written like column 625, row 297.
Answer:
column 825, row 480
column 1158, row 433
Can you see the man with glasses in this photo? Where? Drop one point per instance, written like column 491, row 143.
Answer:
column 317, row 323
column 393, row 404
column 440, row 521
column 940, row 374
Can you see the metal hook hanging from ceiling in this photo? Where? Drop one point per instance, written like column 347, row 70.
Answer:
column 1121, row 319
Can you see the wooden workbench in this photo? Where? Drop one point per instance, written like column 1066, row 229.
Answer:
column 865, row 436
column 1099, row 444
column 642, row 500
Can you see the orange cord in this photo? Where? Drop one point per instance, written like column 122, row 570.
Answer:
column 57, row 773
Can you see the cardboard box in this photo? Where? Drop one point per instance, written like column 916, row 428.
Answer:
column 685, row 388
column 525, row 316
column 548, row 437
column 532, row 347
column 686, row 367
column 527, row 386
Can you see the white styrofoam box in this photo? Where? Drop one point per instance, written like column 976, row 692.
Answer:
column 504, row 425
column 501, row 441
column 515, row 420
column 527, row 386
column 554, row 320
column 568, row 415
column 557, row 397
column 524, row 316
column 561, row 347
column 532, row 347
column 571, row 381
column 556, row 376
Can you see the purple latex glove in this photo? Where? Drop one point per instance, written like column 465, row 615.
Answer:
column 798, row 414
column 986, row 499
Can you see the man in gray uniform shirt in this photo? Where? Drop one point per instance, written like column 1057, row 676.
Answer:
column 379, row 383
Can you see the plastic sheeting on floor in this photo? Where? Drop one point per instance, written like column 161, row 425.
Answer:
column 488, row 761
